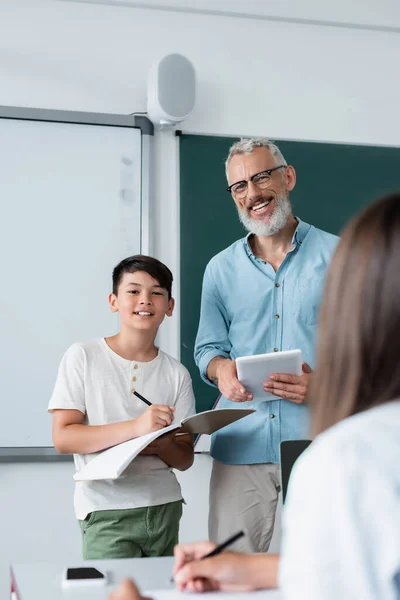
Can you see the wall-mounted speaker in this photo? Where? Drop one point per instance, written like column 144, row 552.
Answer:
column 171, row 90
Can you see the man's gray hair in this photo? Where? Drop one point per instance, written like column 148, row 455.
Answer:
column 248, row 145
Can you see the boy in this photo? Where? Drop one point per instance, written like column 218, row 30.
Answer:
column 94, row 407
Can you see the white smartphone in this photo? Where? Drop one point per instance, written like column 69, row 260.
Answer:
column 83, row 576
column 252, row 371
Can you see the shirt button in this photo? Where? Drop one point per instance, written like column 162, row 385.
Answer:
column 277, row 285
column 276, row 316
column 133, row 389
column 133, row 378
column 276, row 349
column 135, row 366
column 272, row 416
column 265, row 262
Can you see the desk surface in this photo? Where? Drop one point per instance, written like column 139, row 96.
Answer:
column 43, row 580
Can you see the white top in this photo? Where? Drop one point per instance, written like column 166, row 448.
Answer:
column 341, row 523
column 94, row 379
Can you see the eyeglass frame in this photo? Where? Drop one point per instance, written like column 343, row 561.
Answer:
column 267, row 171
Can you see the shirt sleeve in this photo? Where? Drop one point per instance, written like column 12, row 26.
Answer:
column 69, row 389
column 185, row 402
column 213, row 333
column 337, row 524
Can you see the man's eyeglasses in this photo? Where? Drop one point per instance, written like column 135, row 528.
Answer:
column 260, row 180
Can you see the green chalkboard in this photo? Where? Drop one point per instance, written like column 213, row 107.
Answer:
column 333, row 182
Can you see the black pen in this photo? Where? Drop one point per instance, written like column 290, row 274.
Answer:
column 224, row 545
column 142, row 398
column 218, row 549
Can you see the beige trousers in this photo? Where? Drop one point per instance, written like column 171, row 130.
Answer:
column 243, row 497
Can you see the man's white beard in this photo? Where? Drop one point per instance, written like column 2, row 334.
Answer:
column 280, row 216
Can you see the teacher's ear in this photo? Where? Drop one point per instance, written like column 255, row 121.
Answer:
column 290, row 177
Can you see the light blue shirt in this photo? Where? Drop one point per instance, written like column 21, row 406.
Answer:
column 341, row 519
column 248, row 308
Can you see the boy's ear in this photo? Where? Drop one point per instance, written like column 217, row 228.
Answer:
column 113, row 302
column 170, row 310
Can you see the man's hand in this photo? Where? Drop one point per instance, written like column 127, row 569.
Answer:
column 222, row 372
column 290, row 387
column 228, row 571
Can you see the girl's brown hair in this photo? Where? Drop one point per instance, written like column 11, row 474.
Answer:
column 358, row 355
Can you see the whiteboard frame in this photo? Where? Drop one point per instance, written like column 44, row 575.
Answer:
column 48, row 453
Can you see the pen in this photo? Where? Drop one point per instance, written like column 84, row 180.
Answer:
column 142, row 398
column 224, row 545
column 218, row 549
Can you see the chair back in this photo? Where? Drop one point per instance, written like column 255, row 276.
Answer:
column 290, row 452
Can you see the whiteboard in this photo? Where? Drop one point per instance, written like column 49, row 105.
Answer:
column 70, row 197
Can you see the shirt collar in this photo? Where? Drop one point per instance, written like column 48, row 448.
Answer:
column 300, row 233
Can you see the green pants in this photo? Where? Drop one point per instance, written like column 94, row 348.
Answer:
column 131, row 533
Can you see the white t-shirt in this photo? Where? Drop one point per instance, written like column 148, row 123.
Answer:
column 341, row 521
column 95, row 380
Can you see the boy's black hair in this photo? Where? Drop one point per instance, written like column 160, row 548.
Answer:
column 149, row 265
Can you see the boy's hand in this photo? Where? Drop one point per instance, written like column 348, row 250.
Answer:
column 154, row 418
column 160, row 444
column 175, row 450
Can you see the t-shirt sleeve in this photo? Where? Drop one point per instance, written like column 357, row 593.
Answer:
column 185, row 403
column 69, row 389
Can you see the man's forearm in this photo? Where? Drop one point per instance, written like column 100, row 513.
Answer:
column 212, row 369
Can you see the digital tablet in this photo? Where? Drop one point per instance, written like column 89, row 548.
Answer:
column 252, row 371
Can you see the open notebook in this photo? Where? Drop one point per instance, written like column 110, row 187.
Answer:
column 110, row 463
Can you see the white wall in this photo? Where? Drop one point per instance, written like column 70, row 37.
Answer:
column 255, row 77
column 37, row 521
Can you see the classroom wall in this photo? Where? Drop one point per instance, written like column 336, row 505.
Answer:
column 284, row 80
column 37, row 522
column 255, row 77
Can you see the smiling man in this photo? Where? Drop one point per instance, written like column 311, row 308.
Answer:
column 261, row 294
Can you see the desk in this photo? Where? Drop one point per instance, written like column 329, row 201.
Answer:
column 42, row 581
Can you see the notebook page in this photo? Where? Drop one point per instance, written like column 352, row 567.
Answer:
column 110, row 463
